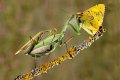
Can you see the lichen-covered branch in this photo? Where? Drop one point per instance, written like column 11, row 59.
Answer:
column 71, row 53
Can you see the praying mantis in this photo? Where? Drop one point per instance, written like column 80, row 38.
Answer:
column 37, row 48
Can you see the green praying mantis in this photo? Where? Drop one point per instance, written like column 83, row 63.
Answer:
column 38, row 48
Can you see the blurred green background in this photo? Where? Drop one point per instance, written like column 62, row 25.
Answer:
column 20, row 19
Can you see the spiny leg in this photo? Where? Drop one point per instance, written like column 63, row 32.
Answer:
column 69, row 39
column 65, row 43
column 35, row 60
column 66, row 46
column 34, row 42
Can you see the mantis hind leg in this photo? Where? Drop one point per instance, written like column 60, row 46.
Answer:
column 35, row 60
column 34, row 42
column 65, row 43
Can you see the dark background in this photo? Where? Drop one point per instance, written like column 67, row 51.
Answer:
column 20, row 19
